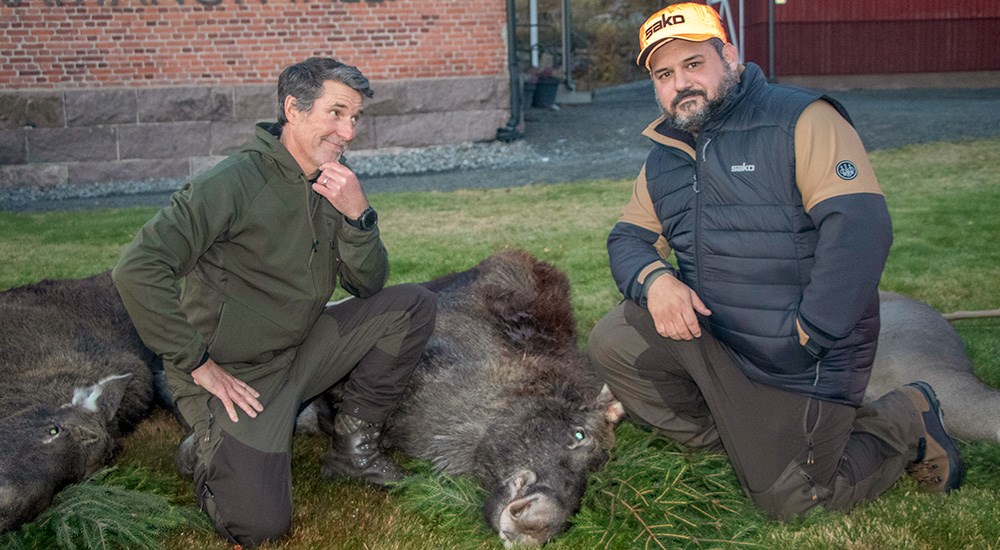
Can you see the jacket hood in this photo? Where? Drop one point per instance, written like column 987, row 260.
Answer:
column 267, row 144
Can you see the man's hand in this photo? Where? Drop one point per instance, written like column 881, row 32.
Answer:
column 341, row 187
column 673, row 304
column 230, row 390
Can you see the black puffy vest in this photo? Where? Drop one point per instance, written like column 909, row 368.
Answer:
column 744, row 243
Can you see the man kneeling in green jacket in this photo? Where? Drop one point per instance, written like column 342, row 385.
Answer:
column 260, row 242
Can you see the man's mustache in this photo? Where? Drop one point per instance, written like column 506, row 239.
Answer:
column 681, row 96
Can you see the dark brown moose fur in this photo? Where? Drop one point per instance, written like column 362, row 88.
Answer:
column 75, row 378
column 503, row 395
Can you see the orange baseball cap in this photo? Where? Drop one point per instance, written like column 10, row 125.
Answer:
column 688, row 21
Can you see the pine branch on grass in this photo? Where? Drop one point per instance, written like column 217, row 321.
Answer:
column 655, row 494
column 112, row 509
column 452, row 503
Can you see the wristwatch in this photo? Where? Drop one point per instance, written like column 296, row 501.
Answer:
column 366, row 221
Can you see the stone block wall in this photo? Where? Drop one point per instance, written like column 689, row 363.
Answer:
column 81, row 137
column 95, row 91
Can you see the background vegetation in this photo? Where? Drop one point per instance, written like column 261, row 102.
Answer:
column 652, row 494
column 604, row 35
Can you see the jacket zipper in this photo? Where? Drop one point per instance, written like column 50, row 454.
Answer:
column 311, row 205
column 697, row 213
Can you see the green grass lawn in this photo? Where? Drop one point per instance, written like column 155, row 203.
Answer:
column 652, row 494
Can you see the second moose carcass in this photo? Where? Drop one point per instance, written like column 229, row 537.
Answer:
column 76, row 377
column 917, row 343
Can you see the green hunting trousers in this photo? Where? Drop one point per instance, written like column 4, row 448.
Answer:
column 243, row 469
column 792, row 453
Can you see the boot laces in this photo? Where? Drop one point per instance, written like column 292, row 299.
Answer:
column 926, row 473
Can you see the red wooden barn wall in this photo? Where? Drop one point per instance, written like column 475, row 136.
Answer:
column 815, row 37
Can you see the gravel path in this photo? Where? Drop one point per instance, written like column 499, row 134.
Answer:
column 590, row 141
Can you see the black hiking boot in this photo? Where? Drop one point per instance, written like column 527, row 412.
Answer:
column 355, row 452
column 938, row 466
column 186, row 457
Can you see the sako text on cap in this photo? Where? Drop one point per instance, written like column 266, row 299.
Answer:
column 688, row 21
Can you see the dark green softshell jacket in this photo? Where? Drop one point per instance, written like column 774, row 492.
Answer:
column 260, row 254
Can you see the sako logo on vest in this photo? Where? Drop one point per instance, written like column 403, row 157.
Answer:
column 742, row 167
column 663, row 23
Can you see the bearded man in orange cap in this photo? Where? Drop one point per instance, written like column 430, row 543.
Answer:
column 759, row 339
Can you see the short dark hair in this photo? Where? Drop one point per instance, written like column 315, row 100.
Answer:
column 304, row 82
column 718, row 45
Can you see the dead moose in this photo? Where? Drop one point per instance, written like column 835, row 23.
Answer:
column 502, row 394
column 75, row 378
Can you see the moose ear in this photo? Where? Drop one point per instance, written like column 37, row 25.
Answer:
column 613, row 409
column 103, row 397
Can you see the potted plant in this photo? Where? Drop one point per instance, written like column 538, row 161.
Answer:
column 540, row 87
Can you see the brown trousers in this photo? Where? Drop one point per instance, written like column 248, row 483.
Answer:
column 243, row 471
column 791, row 453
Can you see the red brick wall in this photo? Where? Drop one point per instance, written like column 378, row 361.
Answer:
column 135, row 43
column 105, row 91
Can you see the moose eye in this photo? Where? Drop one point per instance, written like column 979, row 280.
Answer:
column 579, row 440
column 54, row 430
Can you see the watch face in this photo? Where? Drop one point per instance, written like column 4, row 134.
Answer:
column 368, row 219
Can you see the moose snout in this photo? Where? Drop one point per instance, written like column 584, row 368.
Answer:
column 531, row 520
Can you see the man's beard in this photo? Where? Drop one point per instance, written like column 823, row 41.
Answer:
column 692, row 122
